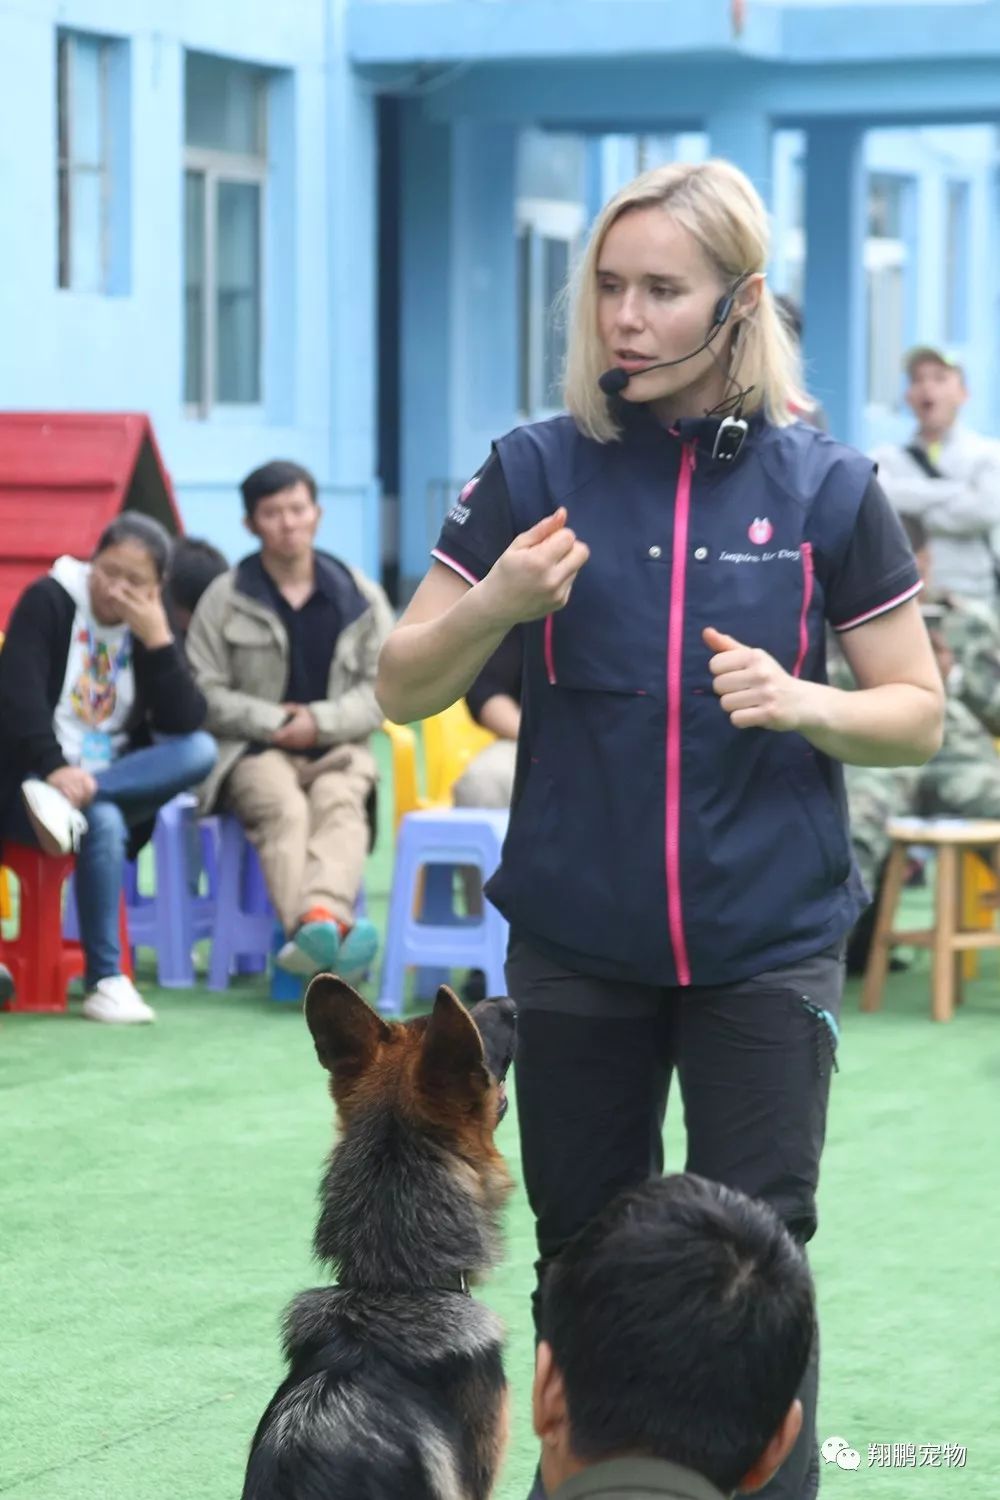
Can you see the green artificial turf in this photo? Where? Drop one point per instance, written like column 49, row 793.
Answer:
column 157, row 1197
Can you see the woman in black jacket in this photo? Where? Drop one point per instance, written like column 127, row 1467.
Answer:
column 100, row 725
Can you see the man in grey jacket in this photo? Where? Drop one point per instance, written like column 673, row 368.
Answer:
column 284, row 647
column 948, row 476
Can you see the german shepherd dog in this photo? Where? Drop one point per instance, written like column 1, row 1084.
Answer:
column 395, row 1387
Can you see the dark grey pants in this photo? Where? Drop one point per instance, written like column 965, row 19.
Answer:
column 595, row 1061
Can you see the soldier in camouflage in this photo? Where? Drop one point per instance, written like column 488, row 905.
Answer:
column 963, row 779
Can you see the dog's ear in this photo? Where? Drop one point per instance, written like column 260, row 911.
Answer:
column 452, row 1055
column 345, row 1029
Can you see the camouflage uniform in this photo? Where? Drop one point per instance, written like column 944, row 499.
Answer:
column 972, row 634
column 963, row 779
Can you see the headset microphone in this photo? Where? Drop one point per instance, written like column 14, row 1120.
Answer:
column 613, row 382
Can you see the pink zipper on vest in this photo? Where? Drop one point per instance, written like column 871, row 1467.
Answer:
column 550, row 659
column 675, row 655
column 807, row 593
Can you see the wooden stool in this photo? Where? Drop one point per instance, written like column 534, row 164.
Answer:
column 947, row 939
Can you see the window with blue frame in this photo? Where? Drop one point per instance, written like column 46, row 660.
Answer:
column 92, row 166
column 956, row 262
column 225, row 182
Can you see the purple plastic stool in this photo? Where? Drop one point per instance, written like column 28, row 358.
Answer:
column 244, row 917
column 246, row 929
column 438, row 937
column 175, row 916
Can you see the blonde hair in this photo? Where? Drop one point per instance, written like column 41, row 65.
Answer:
column 720, row 207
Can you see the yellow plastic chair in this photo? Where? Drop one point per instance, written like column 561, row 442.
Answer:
column 405, row 788
column 979, row 904
column 451, row 740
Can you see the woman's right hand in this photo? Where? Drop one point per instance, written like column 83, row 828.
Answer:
column 76, row 785
column 535, row 575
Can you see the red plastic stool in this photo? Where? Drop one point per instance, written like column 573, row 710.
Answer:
column 42, row 963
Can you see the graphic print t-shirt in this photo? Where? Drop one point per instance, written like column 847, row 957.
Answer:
column 98, row 690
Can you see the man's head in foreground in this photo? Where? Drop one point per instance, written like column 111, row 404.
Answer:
column 677, row 1325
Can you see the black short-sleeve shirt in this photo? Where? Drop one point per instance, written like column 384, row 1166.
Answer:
column 500, row 677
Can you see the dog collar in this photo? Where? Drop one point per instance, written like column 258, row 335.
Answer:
column 458, row 1285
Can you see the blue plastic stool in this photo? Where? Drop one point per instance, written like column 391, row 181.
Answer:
column 247, row 933
column 176, row 915
column 244, row 917
column 438, row 937
column 287, row 989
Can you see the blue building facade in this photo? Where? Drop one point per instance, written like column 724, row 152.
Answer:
column 191, row 231
column 339, row 231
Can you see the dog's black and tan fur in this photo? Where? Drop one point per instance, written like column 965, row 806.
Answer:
column 395, row 1388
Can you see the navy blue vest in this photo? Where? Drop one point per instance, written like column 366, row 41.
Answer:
column 649, row 840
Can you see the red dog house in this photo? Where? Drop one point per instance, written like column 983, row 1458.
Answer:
column 63, row 477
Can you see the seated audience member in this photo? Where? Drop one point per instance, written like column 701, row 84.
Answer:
column 193, row 566
column 100, row 724
column 494, row 701
column 284, row 647
column 946, row 475
column 963, row 779
column 676, row 1329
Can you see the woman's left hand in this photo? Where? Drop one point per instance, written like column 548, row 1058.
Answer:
column 143, row 613
column 754, row 690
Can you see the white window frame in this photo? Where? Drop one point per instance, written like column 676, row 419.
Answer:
column 794, row 248
column 67, row 166
column 956, row 260
column 884, row 254
column 542, row 219
column 217, row 167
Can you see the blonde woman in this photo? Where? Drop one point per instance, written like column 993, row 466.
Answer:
column 678, row 874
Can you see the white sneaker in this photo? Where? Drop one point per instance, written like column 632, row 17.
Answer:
column 58, row 824
column 294, row 961
column 117, row 1000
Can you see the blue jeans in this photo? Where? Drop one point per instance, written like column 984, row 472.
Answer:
column 129, row 792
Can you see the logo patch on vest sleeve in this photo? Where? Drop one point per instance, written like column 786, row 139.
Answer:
column 760, row 531
column 459, row 512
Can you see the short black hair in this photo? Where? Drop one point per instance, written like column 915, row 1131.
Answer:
column 193, row 565
column 133, row 526
column 790, row 312
column 270, row 478
column 916, row 532
column 681, row 1320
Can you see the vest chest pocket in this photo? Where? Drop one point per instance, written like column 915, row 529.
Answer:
column 762, row 597
column 611, row 636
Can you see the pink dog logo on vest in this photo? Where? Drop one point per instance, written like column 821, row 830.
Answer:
column 760, row 531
